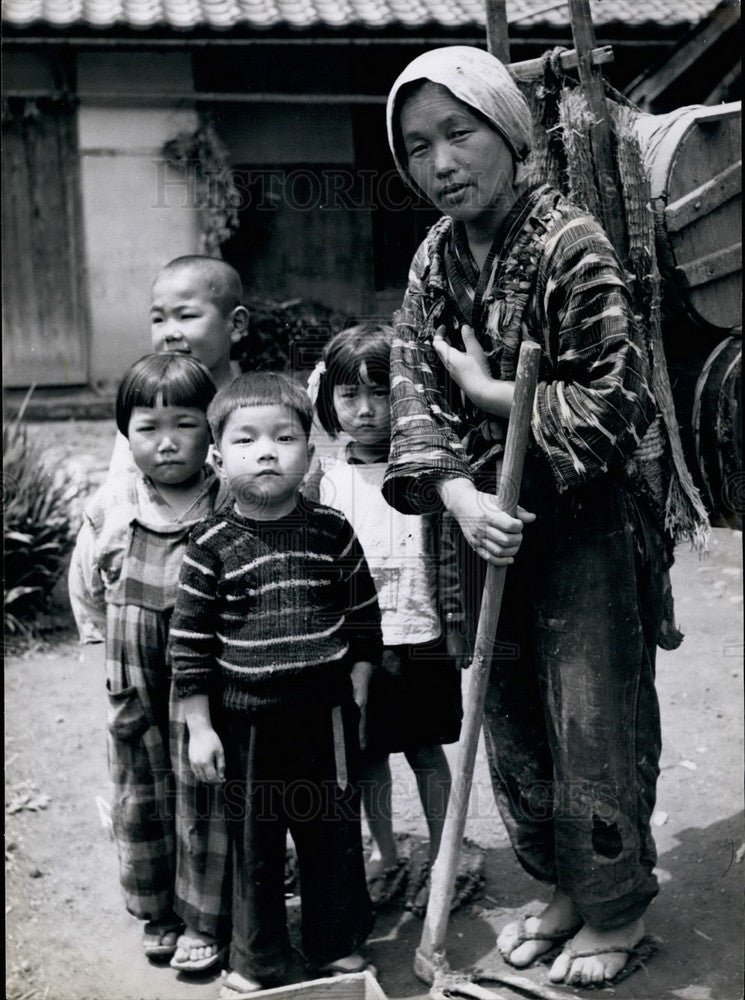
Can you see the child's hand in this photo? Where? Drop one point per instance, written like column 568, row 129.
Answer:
column 360, row 675
column 206, row 756
column 470, row 370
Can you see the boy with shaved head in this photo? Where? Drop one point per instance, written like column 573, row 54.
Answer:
column 196, row 309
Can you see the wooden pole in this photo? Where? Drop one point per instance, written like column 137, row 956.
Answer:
column 533, row 69
column 591, row 79
column 429, row 960
column 497, row 32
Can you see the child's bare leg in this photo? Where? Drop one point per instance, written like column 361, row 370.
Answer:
column 430, row 767
column 605, row 963
column 376, row 800
column 559, row 919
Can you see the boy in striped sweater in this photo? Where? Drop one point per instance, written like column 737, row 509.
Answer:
column 275, row 632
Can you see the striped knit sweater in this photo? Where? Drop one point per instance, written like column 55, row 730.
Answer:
column 273, row 612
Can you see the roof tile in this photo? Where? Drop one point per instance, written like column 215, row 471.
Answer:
column 307, row 14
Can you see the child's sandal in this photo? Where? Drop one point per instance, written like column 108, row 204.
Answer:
column 183, row 962
column 349, row 965
column 234, row 986
column 385, row 887
column 419, row 895
column 154, row 936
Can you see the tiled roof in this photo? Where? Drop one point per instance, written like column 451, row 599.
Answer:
column 323, row 14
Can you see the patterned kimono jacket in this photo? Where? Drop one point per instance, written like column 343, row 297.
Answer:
column 554, row 279
column 571, row 709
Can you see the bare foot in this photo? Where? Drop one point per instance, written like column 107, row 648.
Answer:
column 521, row 944
column 159, row 936
column 589, row 958
column 195, row 950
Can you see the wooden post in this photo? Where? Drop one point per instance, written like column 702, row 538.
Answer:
column 533, row 69
column 497, row 32
column 430, row 960
column 591, row 79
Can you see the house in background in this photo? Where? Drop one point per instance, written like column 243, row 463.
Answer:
column 95, row 89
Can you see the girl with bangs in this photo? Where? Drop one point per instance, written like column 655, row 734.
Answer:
column 414, row 700
column 123, row 580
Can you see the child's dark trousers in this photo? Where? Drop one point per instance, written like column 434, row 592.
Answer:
column 295, row 769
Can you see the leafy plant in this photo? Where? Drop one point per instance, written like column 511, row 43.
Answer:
column 202, row 155
column 39, row 532
column 285, row 335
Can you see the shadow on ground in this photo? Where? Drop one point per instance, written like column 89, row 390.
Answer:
column 68, row 936
column 698, row 916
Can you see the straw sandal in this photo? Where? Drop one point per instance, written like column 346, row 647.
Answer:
column 187, row 945
column 234, row 986
column 419, row 894
column 385, row 887
column 154, row 934
column 522, row 935
column 639, row 954
column 348, row 965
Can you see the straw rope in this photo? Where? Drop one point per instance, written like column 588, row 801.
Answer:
column 561, row 155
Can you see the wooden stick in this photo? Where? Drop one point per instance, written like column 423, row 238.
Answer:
column 533, row 69
column 429, row 959
column 606, row 174
column 497, row 32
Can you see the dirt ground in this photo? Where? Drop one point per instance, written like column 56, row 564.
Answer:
column 68, row 936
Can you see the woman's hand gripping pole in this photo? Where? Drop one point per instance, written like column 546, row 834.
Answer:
column 430, row 961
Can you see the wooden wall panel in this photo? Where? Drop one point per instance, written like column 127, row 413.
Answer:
column 45, row 333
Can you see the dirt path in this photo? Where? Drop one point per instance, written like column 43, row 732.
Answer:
column 69, row 938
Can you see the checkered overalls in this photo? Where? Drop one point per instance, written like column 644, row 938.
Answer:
column 138, row 682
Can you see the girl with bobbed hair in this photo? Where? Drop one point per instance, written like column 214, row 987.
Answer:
column 123, row 580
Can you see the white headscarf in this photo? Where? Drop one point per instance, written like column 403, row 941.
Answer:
column 478, row 79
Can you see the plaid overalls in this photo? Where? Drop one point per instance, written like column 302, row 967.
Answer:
column 156, row 849
column 138, row 684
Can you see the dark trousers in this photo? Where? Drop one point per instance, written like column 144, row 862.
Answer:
column 295, row 769
column 572, row 724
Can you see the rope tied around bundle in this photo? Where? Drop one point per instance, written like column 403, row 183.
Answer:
column 562, row 157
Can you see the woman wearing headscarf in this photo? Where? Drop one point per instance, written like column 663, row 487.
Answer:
column 571, row 723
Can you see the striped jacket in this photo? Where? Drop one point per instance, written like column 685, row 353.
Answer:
column 556, row 280
column 273, row 612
